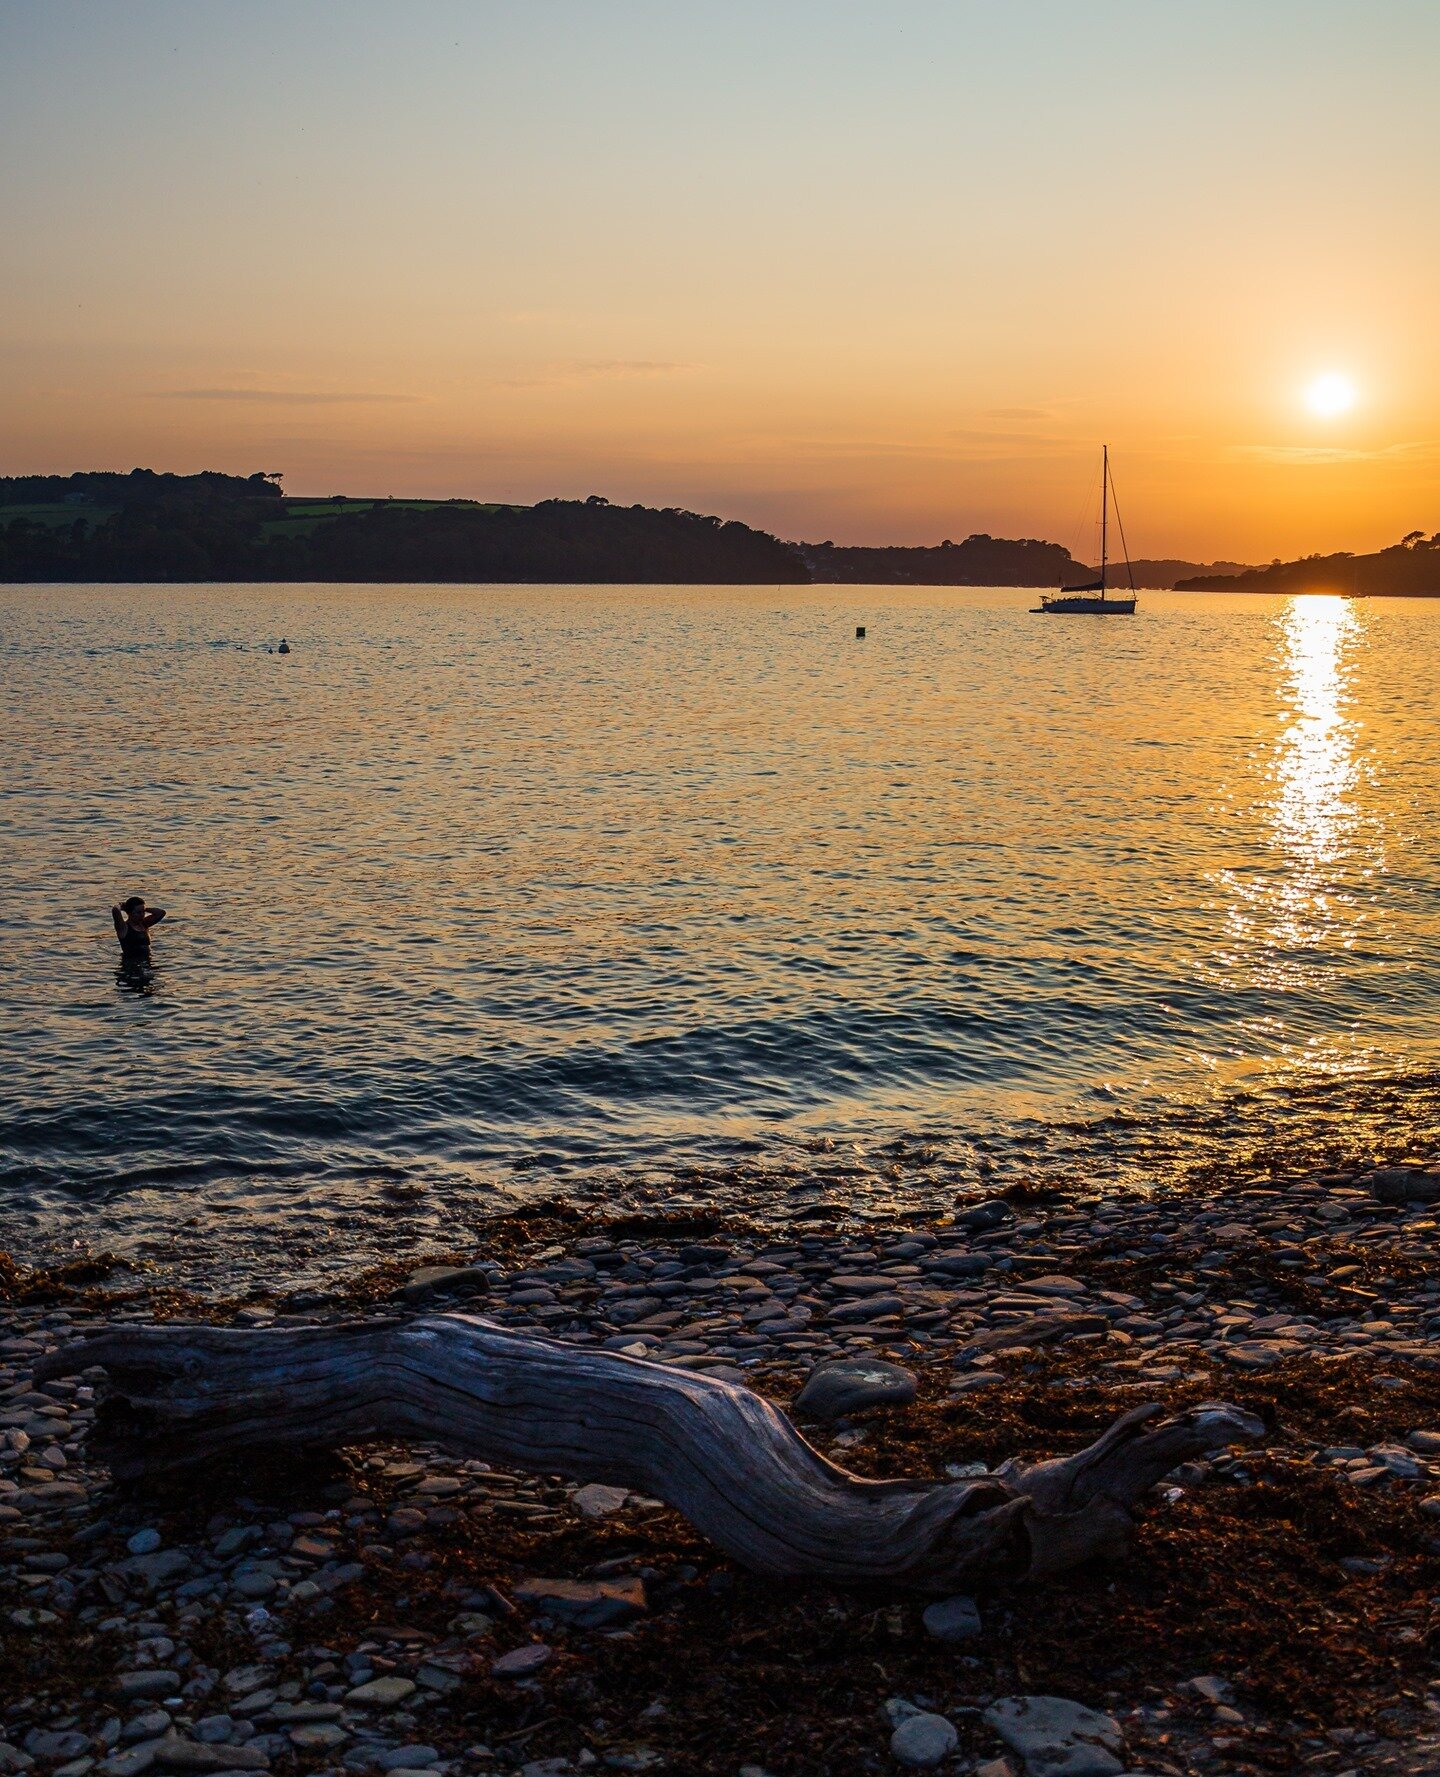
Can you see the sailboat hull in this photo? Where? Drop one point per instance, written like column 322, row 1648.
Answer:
column 1086, row 607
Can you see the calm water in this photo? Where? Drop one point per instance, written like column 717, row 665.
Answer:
column 484, row 891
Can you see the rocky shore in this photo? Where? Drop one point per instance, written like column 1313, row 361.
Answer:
column 395, row 1610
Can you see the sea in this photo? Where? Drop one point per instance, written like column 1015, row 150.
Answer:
column 691, row 900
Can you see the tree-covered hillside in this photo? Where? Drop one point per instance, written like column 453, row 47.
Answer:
column 145, row 527
column 1407, row 569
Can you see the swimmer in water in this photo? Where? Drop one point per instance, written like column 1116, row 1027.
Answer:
column 133, row 921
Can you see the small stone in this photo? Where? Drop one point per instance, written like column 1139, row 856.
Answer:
column 159, row 1567
column 239, row 1538
column 12, row 1760
column 318, row 1736
column 214, row 1730
column 1397, row 1460
column 989, row 1214
column 1058, row 1738
column 254, row 1702
column 597, row 1501
column 1212, row 1689
column 858, row 1284
column 256, row 1584
column 433, row 1280
column 867, row 1308
column 586, row 1605
column 382, row 1693
column 961, row 1264
column 1405, row 1184
column 407, row 1758
column 850, row 1385
column 154, row 1681
column 520, row 1662
column 241, row 1680
column 174, row 1754
column 144, row 1542
column 1427, row 1443
column 977, row 1379
column 953, row 1619
column 922, row 1740
column 55, row 1747
column 131, row 1762
column 148, row 1726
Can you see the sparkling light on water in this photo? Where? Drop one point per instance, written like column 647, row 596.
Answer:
column 1316, row 766
column 495, row 884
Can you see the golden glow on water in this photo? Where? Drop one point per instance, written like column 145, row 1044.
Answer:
column 654, row 875
column 1315, row 766
column 1304, row 900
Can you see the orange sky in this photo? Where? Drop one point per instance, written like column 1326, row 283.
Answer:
column 875, row 273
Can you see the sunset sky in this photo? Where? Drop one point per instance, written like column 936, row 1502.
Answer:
column 879, row 272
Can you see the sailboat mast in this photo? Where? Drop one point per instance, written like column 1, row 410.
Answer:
column 1104, row 512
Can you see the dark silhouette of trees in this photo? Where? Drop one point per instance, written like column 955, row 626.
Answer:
column 1407, row 569
column 980, row 560
column 145, row 526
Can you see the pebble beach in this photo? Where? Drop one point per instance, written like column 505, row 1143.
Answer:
column 394, row 1609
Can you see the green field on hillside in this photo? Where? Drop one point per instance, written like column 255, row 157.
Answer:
column 301, row 514
column 292, row 517
column 56, row 514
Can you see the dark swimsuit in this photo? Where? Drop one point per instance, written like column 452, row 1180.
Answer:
column 135, row 945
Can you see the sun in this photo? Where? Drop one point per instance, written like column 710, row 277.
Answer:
column 1330, row 395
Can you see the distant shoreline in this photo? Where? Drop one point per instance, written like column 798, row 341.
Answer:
column 146, row 528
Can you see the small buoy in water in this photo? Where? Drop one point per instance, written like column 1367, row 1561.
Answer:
column 859, row 632
column 284, row 647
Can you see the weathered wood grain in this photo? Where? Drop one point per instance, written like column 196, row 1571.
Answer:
column 731, row 1462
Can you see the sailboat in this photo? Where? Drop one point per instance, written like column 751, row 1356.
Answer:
column 1093, row 599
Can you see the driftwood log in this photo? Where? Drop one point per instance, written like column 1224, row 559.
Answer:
column 731, row 1462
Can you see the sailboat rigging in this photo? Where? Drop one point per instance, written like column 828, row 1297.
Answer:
column 1093, row 597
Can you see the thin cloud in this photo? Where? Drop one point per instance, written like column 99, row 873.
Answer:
column 292, row 397
column 586, row 370
column 1016, row 413
column 1301, row 454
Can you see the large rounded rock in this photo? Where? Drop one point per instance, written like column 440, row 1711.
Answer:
column 923, row 1740
column 854, row 1385
column 1058, row 1738
column 953, row 1619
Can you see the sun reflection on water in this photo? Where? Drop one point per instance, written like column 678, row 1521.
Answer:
column 1285, row 920
column 1315, row 764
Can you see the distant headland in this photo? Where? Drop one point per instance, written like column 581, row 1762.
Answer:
column 150, row 526
column 1407, row 569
